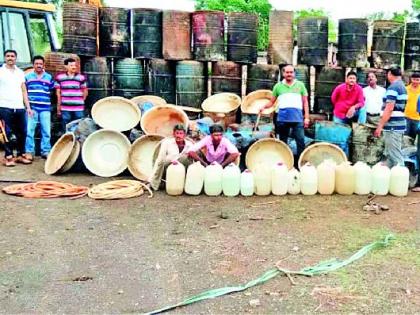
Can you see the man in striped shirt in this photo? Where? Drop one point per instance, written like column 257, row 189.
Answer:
column 39, row 85
column 71, row 93
column 393, row 121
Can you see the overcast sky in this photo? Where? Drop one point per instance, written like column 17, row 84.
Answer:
column 338, row 9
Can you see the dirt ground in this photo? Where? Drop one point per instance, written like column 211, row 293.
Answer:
column 141, row 254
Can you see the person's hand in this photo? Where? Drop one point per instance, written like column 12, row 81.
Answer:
column 30, row 112
column 306, row 122
column 261, row 109
column 351, row 112
column 377, row 132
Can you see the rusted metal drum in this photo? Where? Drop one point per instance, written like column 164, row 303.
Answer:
column 261, row 77
column 114, row 32
column 313, row 41
column 176, row 35
column 161, row 79
column 280, row 46
column 412, row 46
column 326, row 81
column 191, row 83
column 147, row 33
column 98, row 73
column 352, row 42
column 226, row 77
column 363, row 72
column 54, row 62
column 128, row 78
column 242, row 37
column 387, row 43
column 80, row 28
column 208, row 35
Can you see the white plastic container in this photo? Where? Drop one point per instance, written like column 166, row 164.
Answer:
column 308, row 180
column 362, row 178
column 194, row 180
column 175, row 179
column 326, row 177
column 213, row 179
column 381, row 176
column 247, row 183
column 344, row 179
column 293, row 185
column 262, row 179
column 231, row 180
column 399, row 182
column 279, row 179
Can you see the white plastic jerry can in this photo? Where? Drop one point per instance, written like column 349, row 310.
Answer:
column 195, row 179
column 231, row 180
column 247, row 183
column 213, row 179
column 293, row 187
column 381, row 176
column 279, row 179
column 308, row 180
column 326, row 177
column 399, row 182
column 262, row 178
column 175, row 179
column 362, row 178
column 344, row 179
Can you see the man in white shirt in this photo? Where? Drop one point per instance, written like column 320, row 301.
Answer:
column 174, row 148
column 14, row 106
column 374, row 95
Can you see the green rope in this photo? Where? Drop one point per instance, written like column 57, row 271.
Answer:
column 322, row 267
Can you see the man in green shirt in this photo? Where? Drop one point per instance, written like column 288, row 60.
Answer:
column 292, row 108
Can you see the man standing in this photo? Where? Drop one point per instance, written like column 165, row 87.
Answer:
column 292, row 107
column 217, row 148
column 392, row 118
column 171, row 149
column 14, row 106
column 374, row 95
column 347, row 99
column 412, row 114
column 71, row 93
column 39, row 85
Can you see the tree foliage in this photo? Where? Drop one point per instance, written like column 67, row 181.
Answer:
column 332, row 27
column 260, row 7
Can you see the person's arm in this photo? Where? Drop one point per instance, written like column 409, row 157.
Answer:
column 230, row 159
column 389, row 108
column 26, row 99
column 231, row 150
column 270, row 104
column 360, row 102
column 58, row 93
column 192, row 153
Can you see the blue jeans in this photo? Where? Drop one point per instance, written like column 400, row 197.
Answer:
column 44, row 120
column 359, row 116
column 68, row 116
column 297, row 132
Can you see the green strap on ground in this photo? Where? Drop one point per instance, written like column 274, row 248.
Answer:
column 321, row 268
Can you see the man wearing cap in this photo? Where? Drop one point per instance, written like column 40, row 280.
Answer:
column 171, row 149
column 373, row 94
column 292, row 108
column 14, row 107
column 347, row 99
column 217, row 148
column 71, row 93
column 392, row 122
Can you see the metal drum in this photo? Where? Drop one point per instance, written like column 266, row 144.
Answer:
column 99, row 81
column 191, row 83
column 313, row 41
column 412, row 46
column 387, row 44
column 147, row 33
column 242, row 37
column 128, row 78
column 352, row 42
column 226, row 77
column 161, row 79
column 280, row 46
column 176, row 35
column 261, row 77
column 80, row 28
column 114, row 32
column 326, row 81
column 208, row 35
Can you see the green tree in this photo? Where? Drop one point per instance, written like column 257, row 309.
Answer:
column 332, row 27
column 260, row 7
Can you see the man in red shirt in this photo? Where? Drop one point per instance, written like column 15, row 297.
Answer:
column 347, row 99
